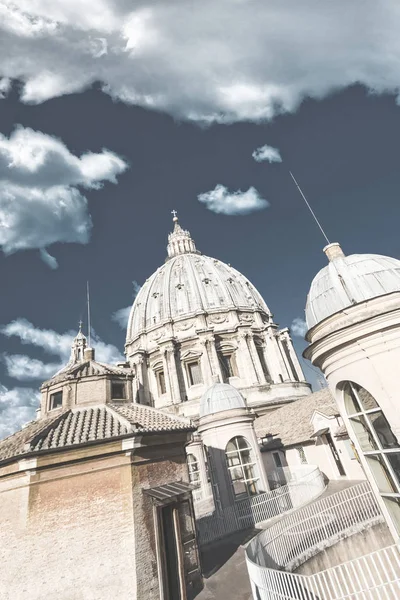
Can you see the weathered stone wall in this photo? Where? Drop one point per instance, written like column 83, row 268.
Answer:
column 84, row 530
column 69, row 534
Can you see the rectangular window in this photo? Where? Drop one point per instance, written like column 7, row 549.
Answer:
column 302, row 455
column 277, row 459
column 194, row 373
column 117, row 390
column 227, row 365
column 162, row 389
column 55, row 400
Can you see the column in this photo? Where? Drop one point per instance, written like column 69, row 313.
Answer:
column 206, row 362
column 140, row 380
column 213, row 357
column 275, row 356
column 247, row 359
column 293, row 355
column 173, row 375
column 256, row 359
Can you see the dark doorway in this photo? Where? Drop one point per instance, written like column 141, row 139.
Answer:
column 335, row 454
column 171, row 571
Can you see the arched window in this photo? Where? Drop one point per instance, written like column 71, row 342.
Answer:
column 194, row 473
column 241, row 467
column 378, row 444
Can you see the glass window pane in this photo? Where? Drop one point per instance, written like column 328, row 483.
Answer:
column 394, row 460
column 381, row 474
column 383, row 431
column 364, row 436
column 242, row 442
column 252, row 488
column 239, row 487
column 248, row 472
column 194, row 373
column 368, row 402
column 231, row 446
column 393, row 506
column 350, row 400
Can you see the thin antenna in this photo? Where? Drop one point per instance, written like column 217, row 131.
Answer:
column 88, row 311
column 309, row 207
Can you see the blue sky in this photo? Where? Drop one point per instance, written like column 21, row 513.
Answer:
column 110, row 121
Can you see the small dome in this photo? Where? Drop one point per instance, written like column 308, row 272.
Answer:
column 348, row 280
column 220, row 397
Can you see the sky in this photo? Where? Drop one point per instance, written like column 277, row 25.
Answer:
column 114, row 113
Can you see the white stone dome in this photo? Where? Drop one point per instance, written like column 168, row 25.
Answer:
column 189, row 284
column 220, row 397
column 348, row 280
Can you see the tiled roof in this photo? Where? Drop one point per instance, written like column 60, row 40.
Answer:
column 291, row 423
column 89, row 424
column 87, row 368
column 149, row 419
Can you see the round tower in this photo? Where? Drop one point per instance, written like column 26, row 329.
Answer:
column 353, row 315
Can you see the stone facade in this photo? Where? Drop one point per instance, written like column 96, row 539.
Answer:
column 76, row 524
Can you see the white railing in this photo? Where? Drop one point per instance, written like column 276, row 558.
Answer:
column 305, row 532
column 306, row 483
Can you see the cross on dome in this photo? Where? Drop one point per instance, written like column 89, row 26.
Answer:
column 180, row 240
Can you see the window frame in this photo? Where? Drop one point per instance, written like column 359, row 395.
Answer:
column 250, row 465
column 161, row 381
column 222, row 356
column 122, row 386
column 51, row 402
column 350, row 393
column 190, row 378
column 193, row 469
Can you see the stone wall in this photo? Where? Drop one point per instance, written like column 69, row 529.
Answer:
column 83, row 529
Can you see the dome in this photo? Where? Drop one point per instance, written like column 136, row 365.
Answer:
column 188, row 284
column 348, row 280
column 220, row 397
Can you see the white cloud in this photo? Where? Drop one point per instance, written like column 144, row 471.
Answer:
column 17, row 406
column 221, row 200
column 39, row 200
column 121, row 316
column 211, row 60
column 267, row 153
column 25, row 368
column 299, row 327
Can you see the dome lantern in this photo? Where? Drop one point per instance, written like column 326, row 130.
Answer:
column 180, row 240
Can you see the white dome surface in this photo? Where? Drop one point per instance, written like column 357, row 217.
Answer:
column 220, row 397
column 348, row 280
column 188, row 284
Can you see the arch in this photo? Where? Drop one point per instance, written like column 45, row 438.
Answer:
column 241, row 467
column 377, row 443
column 194, row 470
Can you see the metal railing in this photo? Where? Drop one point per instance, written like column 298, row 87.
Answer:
column 297, row 537
column 305, row 484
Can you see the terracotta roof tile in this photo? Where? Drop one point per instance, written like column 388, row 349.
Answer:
column 291, row 423
column 89, row 424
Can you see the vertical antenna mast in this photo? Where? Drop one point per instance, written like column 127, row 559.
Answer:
column 88, row 311
column 309, row 207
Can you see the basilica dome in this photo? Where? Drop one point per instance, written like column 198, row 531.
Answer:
column 189, row 284
column 348, row 280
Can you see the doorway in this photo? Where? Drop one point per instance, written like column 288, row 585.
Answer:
column 181, row 572
column 336, row 456
column 172, row 585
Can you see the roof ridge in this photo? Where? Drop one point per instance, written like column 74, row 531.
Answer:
column 46, row 428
